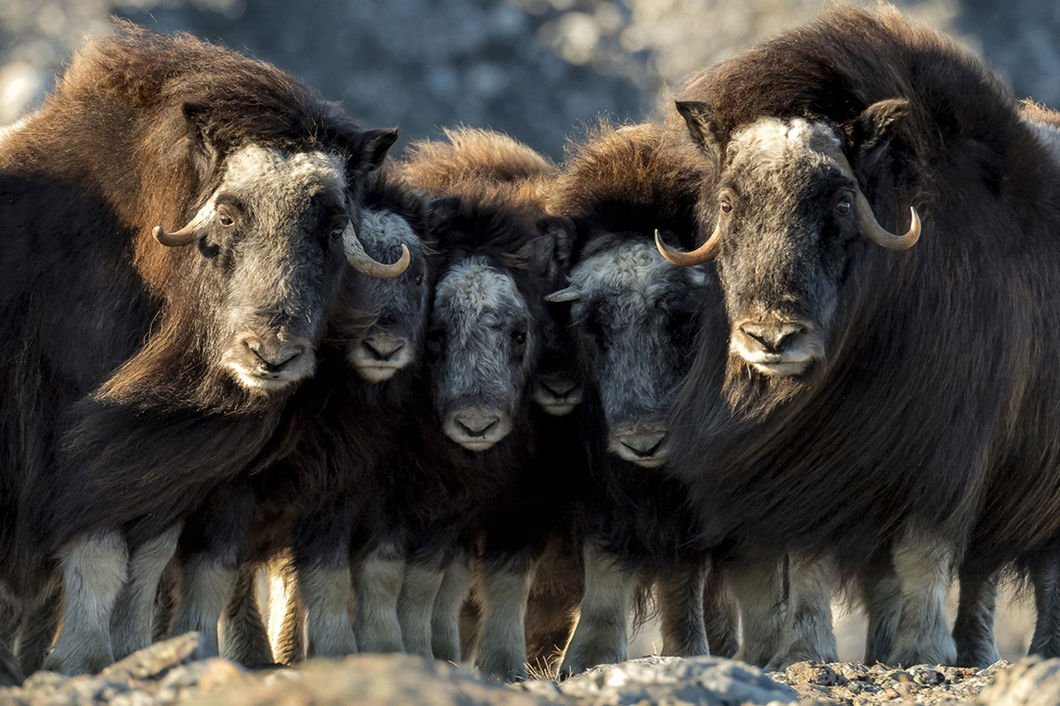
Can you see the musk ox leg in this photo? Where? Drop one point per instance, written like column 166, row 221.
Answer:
column 923, row 566
column 1045, row 575
column 762, row 590
column 415, row 603
column 131, row 626
column 10, row 673
column 602, row 634
column 94, row 571
column 881, row 595
column 246, row 638
column 166, row 601
column 445, row 615
column 552, row 611
column 505, row 589
column 974, row 629
column 808, row 634
column 38, row 627
column 377, row 583
column 681, row 603
column 326, row 592
column 206, row 585
column 287, row 617
column 720, row 615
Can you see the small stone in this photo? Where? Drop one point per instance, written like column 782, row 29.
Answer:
column 927, row 676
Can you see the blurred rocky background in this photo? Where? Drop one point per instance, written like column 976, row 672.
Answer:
column 538, row 69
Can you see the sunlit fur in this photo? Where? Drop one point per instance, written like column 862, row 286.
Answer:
column 126, row 417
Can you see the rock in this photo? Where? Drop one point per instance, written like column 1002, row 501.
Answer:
column 707, row 681
column 373, row 680
column 1030, row 682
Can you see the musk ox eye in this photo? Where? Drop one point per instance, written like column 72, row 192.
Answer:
column 843, row 207
column 519, row 337
column 225, row 219
column 337, row 229
column 419, row 279
column 726, row 204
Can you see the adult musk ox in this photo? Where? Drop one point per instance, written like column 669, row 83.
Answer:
column 195, row 206
column 317, row 487
column 478, row 493
column 889, row 395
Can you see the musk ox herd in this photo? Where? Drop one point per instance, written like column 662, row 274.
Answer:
column 797, row 339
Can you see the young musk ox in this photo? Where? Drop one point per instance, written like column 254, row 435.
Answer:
column 486, row 163
column 322, row 496
column 895, row 410
column 477, row 491
column 629, row 312
column 146, row 365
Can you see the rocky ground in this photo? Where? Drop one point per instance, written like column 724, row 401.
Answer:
column 172, row 673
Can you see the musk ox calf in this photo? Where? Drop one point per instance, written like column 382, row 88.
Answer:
column 634, row 318
column 890, row 391
column 195, row 207
column 476, row 494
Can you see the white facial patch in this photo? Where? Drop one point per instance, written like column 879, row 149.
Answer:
column 627, row 268
column 274, row 177
column 772, row 142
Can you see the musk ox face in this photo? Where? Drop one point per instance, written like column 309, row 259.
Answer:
column 557, row 386
column 272, row 235
column 789, row 218
column 483, row 344
column 634, row 318
column 393, row 341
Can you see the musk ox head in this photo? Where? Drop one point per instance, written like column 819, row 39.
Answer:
column 634, row 318
column 263, row 250
column 485, row 335
column 790, row 217
column 394, row 340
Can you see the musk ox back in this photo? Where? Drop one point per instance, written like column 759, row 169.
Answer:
column 893, row 408
column 196, row 206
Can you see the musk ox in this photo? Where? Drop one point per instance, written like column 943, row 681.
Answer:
column 895, row 410
column 319, row 495
column 196, row 206
column 479, row 493
column 634, row 318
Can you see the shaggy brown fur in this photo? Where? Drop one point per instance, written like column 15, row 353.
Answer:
column 109, row 336
column 937, row 405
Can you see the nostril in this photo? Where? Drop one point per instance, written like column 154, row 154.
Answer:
column 645, row 447
column 559, row 390
column 273, row 362
column 772, row 339
column 477, row 428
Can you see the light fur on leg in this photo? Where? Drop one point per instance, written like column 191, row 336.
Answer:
column 246, row 639
column 287, row 615
column 445, row 616
column 602, row 633
column 325, row 594
column 763, row 592
column 505, row 588
column 377, row 583
column 681, row 607
column 808, row 633
column 10, row 673
column 94, row 570
column 415, row 605
column 923, row 566
column 131, row 626
column 206, row 586
column 973, row 631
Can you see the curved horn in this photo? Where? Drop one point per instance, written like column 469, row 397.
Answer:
column 365, row 264
column 880, row 235
column 178, row 238
column 567, row 294
column 706, row 251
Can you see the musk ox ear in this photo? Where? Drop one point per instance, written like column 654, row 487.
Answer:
column 369, row 148
column 205, row 153
column 562, row 230
column 702, row 126
column 877, row 124
column 535, row 256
